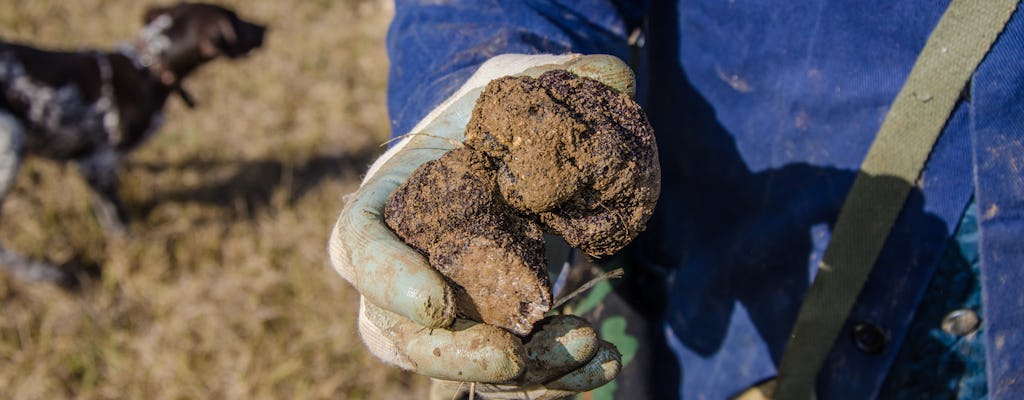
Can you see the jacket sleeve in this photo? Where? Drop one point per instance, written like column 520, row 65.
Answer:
column 434, row 46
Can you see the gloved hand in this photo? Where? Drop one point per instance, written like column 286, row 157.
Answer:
column 552, row 371
column 407, row 312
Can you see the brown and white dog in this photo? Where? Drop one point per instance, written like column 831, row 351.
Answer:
column 92, row 107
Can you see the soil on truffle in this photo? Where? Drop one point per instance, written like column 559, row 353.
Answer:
column 559, row 153
column 450, row 209
column 573, row 151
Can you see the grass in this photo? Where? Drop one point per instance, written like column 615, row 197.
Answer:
column 224, row 290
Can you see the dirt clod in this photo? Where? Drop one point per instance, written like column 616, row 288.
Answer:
column 558, row 153
column 450, row 209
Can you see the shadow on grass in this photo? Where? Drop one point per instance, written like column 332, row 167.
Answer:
column 243, row 188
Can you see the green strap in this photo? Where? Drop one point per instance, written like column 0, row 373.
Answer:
column 955, row 48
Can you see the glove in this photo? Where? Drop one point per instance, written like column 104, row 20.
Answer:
column 556, row 365
column 539, row 383
column 407, row 313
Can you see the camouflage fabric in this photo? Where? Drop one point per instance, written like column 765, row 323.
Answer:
column 937, row 363
column 626, row 312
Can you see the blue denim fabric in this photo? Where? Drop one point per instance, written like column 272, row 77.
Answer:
column 763, row 112
column 934, row 363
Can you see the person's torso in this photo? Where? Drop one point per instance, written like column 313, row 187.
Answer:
column 764, row 112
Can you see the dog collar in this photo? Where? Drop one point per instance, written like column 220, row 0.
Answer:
column 141, row 58
column 146, row 50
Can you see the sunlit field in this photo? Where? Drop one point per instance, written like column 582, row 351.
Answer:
column 223, row 290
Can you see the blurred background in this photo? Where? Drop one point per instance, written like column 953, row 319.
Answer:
column 224, row 291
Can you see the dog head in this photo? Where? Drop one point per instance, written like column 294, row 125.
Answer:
column 178, row 39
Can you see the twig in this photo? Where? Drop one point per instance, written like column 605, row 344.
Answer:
column 400, row 137
column 615, row 273
column 458, row 390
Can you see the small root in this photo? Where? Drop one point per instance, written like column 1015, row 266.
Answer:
column 410, row 134
column 615, row 273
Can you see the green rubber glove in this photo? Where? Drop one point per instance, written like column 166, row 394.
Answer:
column 407, row 313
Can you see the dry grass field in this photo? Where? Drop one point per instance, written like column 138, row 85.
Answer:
column 224, row 290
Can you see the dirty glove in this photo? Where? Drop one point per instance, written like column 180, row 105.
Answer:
column 552, row 371
column 407, row 311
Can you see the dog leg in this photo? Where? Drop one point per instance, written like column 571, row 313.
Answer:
column 11, row 136
column 100, row 171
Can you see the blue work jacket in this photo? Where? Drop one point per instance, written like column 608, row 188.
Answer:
column 763, row 112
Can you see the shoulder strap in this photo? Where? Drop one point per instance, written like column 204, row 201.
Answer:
column 954, row 49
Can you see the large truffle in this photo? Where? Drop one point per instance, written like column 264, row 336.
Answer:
column 573, row 151
column 558, row 153
column 450, row 209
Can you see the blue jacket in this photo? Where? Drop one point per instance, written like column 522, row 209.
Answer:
column 763, row 112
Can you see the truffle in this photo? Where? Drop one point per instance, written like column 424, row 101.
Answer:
column 560, row 153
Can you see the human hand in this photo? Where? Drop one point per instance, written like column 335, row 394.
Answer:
column 557, row 365
column 407, row 312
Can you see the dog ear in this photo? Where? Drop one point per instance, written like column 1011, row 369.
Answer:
column 220, row 40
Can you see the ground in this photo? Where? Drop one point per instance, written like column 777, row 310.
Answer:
column 224, row 290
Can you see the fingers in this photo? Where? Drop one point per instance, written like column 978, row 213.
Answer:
column 382, row 268
column 367, row 253
column 514, row 64
column 601, row 369
column 467, row 351
column 448, row 390
column 604, row 68
column 563, row 357
column 558, row 345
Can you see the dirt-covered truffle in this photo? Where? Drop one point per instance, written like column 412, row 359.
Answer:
column 558, row 153
column 573, row 151
column 450, row 209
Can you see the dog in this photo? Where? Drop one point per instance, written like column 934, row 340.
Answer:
column 93, row 107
